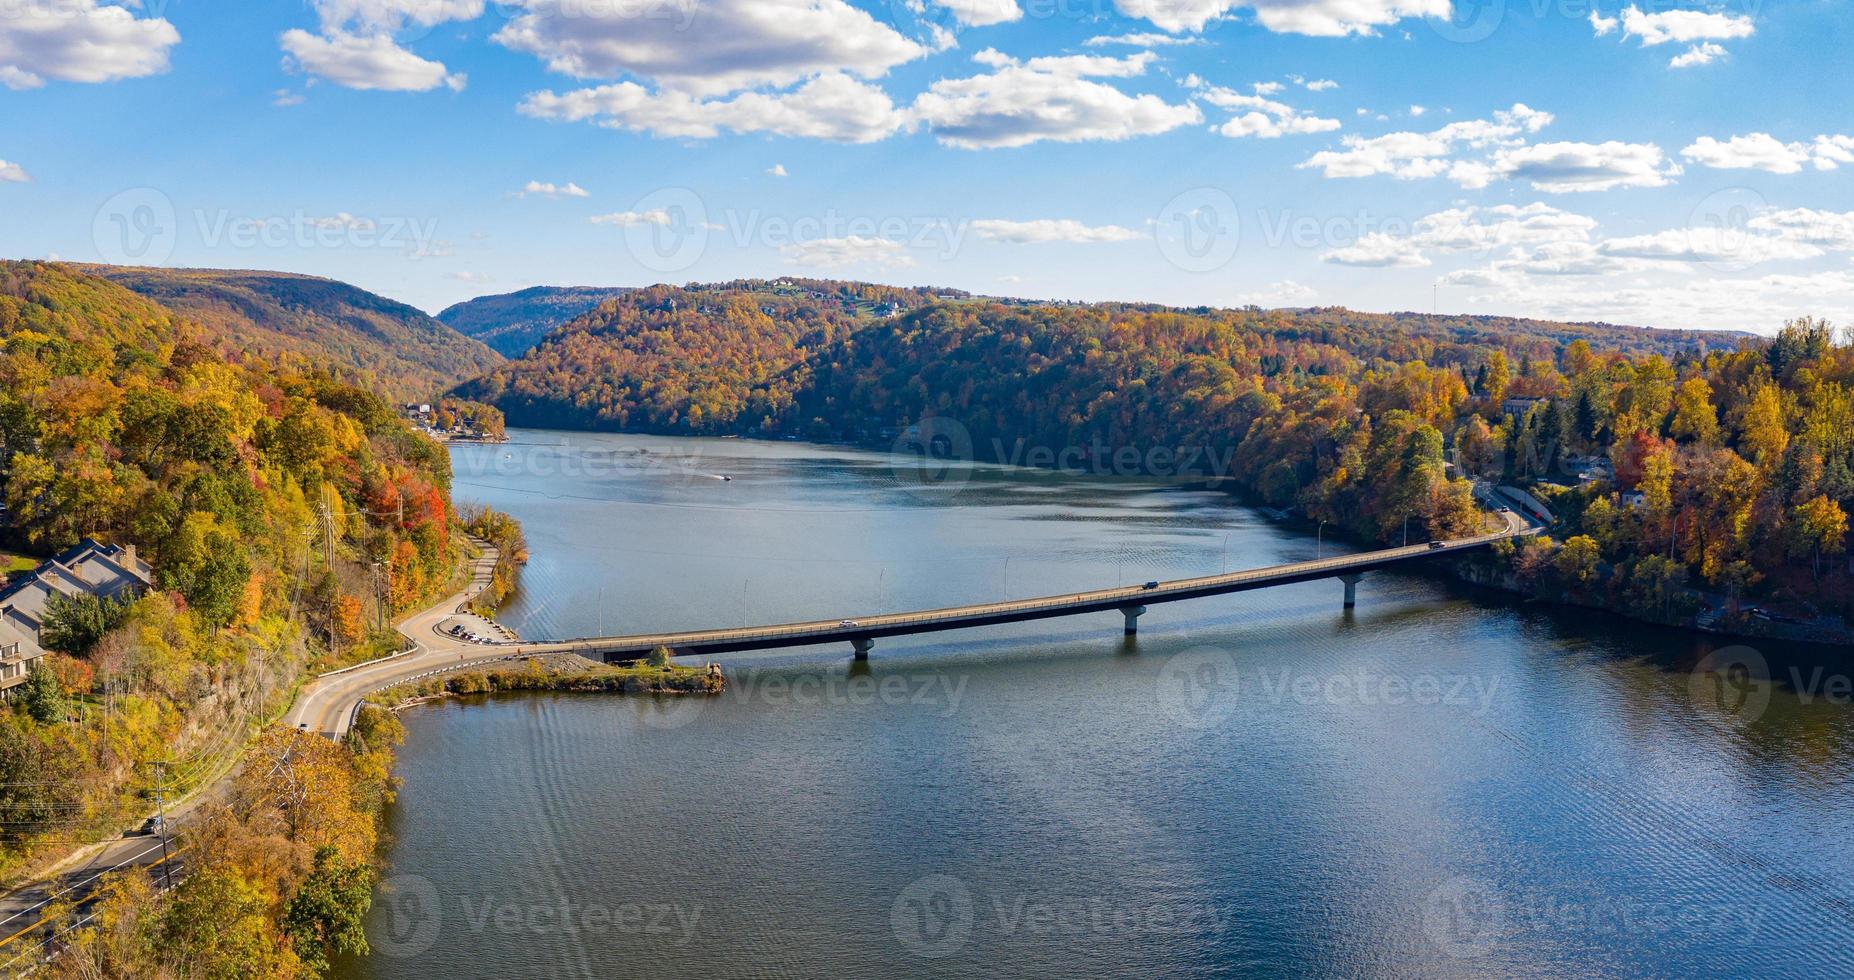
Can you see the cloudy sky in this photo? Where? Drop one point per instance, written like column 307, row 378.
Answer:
column 1672, row 164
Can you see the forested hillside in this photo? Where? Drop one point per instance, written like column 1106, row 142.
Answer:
column 512, row 323
column 1740, row 446
column 264, row 498
column 363, row 338
column 701, row 359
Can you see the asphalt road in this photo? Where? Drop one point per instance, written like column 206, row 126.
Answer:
column 325, row 705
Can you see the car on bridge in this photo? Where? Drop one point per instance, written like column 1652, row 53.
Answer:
column 848, row 623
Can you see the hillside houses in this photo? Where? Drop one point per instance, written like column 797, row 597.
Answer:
column 106, row 571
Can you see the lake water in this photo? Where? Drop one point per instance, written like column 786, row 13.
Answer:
column 1441, row 782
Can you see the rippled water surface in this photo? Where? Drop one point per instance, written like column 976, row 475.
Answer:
column 1439, row 783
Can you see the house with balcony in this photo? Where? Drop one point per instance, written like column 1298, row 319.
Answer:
column 106, row 571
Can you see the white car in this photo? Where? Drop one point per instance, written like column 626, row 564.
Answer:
column 848, row 623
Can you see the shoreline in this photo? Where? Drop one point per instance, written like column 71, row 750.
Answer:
column 1469, row 570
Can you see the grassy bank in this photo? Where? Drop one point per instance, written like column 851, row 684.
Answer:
column 564, row 674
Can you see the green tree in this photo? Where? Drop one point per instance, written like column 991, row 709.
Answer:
column 1577, row 560
column 325, row 917
column 1821, row 528
column 216, row 927
column 74, row 623
column 1695, row 420
column 42, row 695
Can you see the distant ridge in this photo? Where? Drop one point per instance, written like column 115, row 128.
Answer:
column 512, row 323
column 394, row 349
column 834, row 359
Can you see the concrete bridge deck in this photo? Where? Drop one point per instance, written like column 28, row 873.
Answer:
column 327, row 705
column 862, row 631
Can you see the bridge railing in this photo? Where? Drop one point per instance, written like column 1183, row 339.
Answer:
column 827, row 629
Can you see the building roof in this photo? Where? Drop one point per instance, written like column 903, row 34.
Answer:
column 87, row 568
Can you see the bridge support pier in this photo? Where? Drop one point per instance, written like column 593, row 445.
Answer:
column 1351, row 588
column 1133, row 613
column 862, row 647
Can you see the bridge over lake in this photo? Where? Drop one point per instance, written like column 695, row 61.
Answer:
column 861, row 632
column 328, row 704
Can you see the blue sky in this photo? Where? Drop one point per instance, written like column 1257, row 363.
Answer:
column 1670, row 164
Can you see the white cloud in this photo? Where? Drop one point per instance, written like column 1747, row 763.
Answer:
column 284, row 98
column 366, row 61
column 1707, row 244
column 1699, row 54
column 1683, row 26
column 1468, row 228
column 13, row 173
column 1267, row 118
column 1667, row 298
column 831, row 107
column 79, row 41
column 1285, row 292
column 1832, row 151
column 1697, row 29
column 632, row 219
column 1563, row 168
column 1754, row 151
column 1761, row 151
column 1832, row 230
column 392, row 15
column 1417, row 111
column 1414, row 156
column 1146, row 40
column 725, row 46
column 539, row 188
column 477, row 278
column 1051, row 230
column 1547, row 259
column 1320, row 18
column 982, row 13
column 854, row 250
column 1045, row 99
column 1379, row 251
column 1320, row 85
column 777, row 170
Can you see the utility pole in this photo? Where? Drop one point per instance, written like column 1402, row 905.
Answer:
column 328, row 532
column 379, row 600
column 160, row 795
